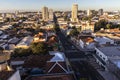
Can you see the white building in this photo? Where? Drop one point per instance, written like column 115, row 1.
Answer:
column 108, row 57
column 89, row 12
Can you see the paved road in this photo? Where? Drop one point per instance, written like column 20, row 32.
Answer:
column 76, row 58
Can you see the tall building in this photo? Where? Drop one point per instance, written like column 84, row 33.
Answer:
column 51, row 14
column 45, row 14
column 100, row 12
column 74, row 17
column 89, row 12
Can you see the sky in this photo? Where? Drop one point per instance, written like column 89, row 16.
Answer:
column 10, row 5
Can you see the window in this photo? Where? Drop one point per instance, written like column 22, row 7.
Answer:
column 100, row 55
column 103, row 58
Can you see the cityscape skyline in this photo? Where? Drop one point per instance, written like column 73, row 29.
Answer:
column 30, row 5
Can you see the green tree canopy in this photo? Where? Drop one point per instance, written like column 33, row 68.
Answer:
column 20, row 52
column 100, row 24
column 74, row 32
column 39, row 48
column 108, row 26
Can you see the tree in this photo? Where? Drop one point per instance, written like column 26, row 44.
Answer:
column 74, row 32
column 20, row 52
column 85, row 18
column 108, row 26
column 100, row 24
column 39, row 48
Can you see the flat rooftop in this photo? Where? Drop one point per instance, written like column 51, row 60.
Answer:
column 108, row 75
column 110, row 51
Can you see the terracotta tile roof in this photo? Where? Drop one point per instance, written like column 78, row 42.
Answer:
column 89, row 40
column 4, row 75
column 36, row 61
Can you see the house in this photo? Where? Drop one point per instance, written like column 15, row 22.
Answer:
column 13, row 42
column 57, row 64
column 87, row 43
column 84, row 41
column 25, row 42
column 6, row 27
column 55, row 68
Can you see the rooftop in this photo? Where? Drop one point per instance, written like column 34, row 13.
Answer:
column 58, row 56
column 25, row 41
column 102, row 40
column 13, row 40
column 5, row 75
column 36, row 61
column 110, row 51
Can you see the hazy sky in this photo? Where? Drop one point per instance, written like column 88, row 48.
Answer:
column 58, row 4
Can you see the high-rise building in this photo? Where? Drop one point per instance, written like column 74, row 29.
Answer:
column 100, row 12
column 89, row 12
column 74, row 17
column 45, row 14
column 16, row 12
column 51, row 14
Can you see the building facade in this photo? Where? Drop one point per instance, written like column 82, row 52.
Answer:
column 74, row 17
column 100, row 12
column 51, row 14
column 89, row 12
column 45, row 13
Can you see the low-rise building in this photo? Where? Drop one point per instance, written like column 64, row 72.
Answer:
column 55, row 67
column 25, row 42
column 109, row 58
column 104, row 41
column 13, row 42
column 87, row 26
column 6, row 27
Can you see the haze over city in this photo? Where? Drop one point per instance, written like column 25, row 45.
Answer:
column 60, row 40
column 27, row 5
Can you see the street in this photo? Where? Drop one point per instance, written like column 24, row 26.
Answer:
column 77, row 59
